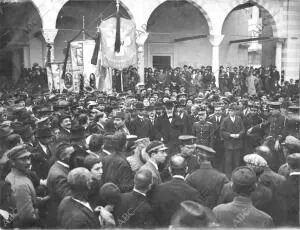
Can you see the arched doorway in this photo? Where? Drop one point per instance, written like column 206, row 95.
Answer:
column 21, row 39
column 250, row 36
column 75, row 13
column 178, row 35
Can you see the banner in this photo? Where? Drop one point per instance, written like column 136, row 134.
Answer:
column 54, row 72
column 81, row 54
column 127, row 55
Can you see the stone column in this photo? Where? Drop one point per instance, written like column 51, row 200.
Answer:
column 49, row 35
column 215, row 41
column 142, row 36
column 278, row 61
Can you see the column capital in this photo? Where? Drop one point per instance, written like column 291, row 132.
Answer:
column 216, row 39
column 49, row 35
column 141, row 37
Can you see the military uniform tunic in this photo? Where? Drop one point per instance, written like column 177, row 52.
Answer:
column 204, row 132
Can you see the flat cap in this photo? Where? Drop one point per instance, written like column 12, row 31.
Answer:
column 275, row 104
column 243, row 176
column 256, row 162
column 293, row 161
column 119, row 115
column 186, row 137
column 205, row 150
column 291, row 142
column 18, row 152
column 155, row 145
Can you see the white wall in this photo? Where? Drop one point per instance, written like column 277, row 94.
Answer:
column 235, row 27
column 37, row 53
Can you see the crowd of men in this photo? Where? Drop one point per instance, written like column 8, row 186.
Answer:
column 172, row 152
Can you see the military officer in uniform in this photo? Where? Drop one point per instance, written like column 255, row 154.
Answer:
column 203, row 130
column 290, row 145
column 187, row 150
column 207, row 180
column 293, row 123
column 274, row 133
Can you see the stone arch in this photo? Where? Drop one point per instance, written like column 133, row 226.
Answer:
column 261, row 4
column 195, row 3
column 124, row 5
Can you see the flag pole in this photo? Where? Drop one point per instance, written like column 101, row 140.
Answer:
column 122, row 80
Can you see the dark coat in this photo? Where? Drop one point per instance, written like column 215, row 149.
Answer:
column 41, row 161
column 133, row 211
column 155, row 173
column 227, row 128
column 73, row 215
column 116, row 169
column 209, row 183
column 141, row 128
column 166, row 198
column 59, row 188
column 191, row 120
column 261, row 197
column 287, row 200
column 171, row 131
column 241, row 213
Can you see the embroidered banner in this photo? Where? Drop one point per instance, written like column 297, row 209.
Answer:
column 127, row 55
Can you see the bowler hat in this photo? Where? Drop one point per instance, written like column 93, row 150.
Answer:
column 192, row 214
column 43, row 132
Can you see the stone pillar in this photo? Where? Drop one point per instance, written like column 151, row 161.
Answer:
column 278, row 61
column 215, row 41
column 49, row 35
column 142, row 36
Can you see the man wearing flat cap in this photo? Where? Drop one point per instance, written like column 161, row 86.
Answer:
column 207, row 180
column 241, row 212
column 287, row 195
column 24, row 193
column 290, row 145
column 166, row 197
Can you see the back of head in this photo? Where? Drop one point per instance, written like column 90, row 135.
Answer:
column 244, row 179
column 178, row 165
column 95, row 142
column 115, row 142
column 60, row 150
column 79, row 179
column 109, row 193
column 90, row 161
column 13, row 140
column 143, row 180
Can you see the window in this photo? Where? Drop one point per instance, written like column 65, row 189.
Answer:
column 161, row 62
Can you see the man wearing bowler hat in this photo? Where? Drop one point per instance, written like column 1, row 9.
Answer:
column 43, row 153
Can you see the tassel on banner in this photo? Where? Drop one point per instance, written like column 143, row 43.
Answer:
column 96, row 50
column 66, row 60
column 118, row 31
column 48, row 61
